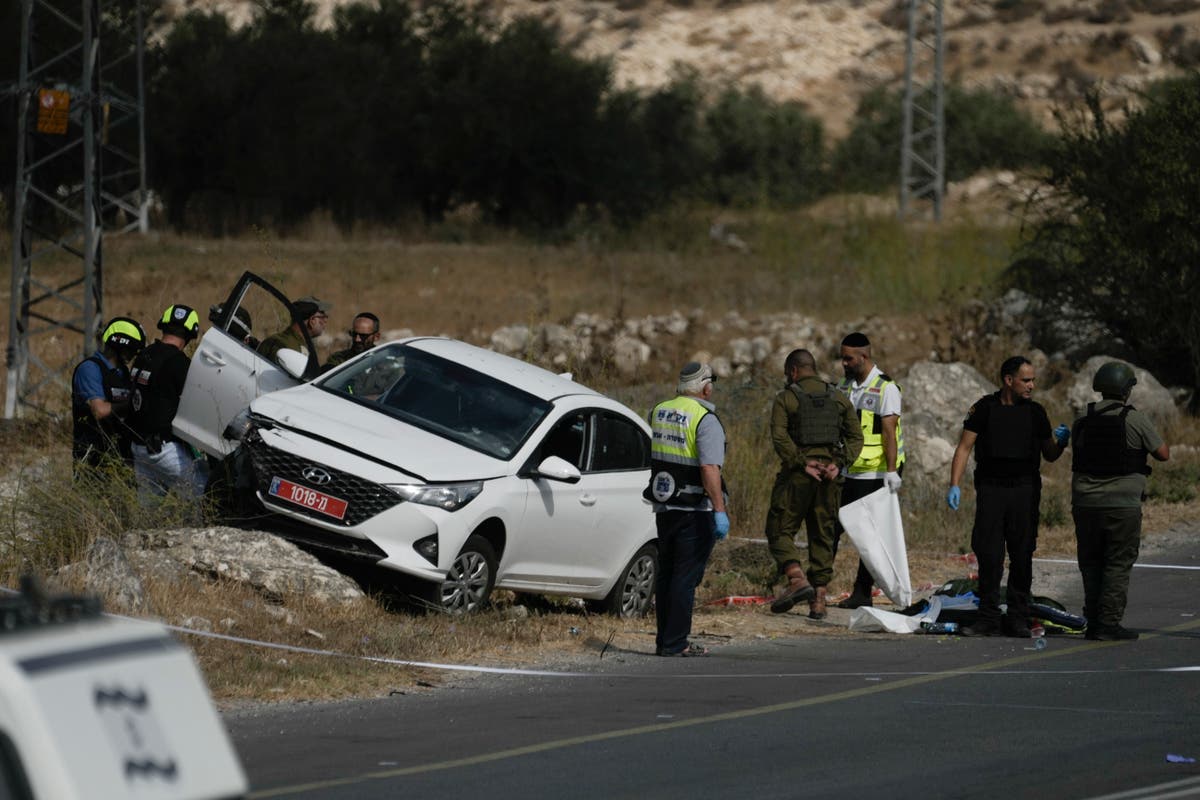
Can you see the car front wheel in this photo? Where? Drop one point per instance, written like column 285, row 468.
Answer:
column 469, row 582
column 633, row 592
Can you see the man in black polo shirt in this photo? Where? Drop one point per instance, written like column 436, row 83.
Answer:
column 1010, row 434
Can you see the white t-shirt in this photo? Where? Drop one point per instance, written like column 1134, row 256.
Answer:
column 885, row 404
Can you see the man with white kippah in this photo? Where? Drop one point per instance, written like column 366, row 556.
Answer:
column 687, row 451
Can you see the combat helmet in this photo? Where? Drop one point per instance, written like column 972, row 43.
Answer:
column 1114, row 379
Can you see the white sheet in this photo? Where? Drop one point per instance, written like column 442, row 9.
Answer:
column 874, row 525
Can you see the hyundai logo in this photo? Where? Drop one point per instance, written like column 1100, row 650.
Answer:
column 316, row 475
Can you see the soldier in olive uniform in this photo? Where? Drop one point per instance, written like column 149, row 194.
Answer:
column 307, row 312
column 1112, row 441
column 816, row 433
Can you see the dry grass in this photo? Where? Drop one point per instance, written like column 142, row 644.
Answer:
column 799, row 262
column 431, row 283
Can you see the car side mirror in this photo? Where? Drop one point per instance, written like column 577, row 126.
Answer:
column 558, row 469
column 293, row 362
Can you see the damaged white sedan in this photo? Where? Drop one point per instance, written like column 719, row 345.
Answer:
column 449, row 463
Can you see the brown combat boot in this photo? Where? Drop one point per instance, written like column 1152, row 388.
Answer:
column 797, row 589
column 816, row 606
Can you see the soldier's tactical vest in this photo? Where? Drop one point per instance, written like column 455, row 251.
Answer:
column 674, row 458
column 871, row 459
column 92, row 438
column 817, row 421
column 1101, row 446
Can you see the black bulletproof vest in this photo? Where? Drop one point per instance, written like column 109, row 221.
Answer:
column 154, row 403
column 1006, row 447
column 92, row 438
column 1009, row 434
column 1101, row 446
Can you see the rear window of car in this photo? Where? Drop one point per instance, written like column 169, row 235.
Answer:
column 442, row 397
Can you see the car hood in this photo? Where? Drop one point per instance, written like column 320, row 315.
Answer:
column 350, row 426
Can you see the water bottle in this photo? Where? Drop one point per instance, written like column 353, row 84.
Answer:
column 1038, row 634
column 939, row 627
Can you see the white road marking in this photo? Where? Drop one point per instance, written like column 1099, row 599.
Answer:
column 1140, row 566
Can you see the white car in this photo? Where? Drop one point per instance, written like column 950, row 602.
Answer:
column 461, row 467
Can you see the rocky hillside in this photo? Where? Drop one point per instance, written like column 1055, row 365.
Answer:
column 826, row 53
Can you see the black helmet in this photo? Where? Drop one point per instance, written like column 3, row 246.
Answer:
column 182, row 319
column 1115, row 379
column 124, row 333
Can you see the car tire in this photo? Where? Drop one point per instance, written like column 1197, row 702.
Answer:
column 633, row 593
column 468, row 584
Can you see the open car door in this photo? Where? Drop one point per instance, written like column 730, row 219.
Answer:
column 227, row 372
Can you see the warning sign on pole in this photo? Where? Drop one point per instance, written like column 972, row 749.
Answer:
column 54, row 108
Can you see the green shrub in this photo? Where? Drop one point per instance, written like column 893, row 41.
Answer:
column 1115, row 235
column 984, row 130
column 1174, row 482
column 764, row 151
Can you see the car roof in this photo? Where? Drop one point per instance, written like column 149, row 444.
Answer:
column 539, row 382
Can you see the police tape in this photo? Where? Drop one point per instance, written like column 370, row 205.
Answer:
column 291, row 648
column 740, row 600
column 397, row 662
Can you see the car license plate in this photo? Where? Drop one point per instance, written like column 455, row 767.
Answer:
column 308, row 498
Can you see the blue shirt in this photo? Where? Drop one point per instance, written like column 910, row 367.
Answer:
column 89, row 379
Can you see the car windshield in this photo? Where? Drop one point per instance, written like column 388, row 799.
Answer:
column 442, row 397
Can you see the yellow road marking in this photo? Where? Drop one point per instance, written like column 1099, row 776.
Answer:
column 727, row 716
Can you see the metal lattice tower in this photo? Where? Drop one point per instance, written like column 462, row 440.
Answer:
column 80, row 171
column 923, row 151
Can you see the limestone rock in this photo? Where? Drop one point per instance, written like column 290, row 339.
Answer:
column 1144, row 51
column 270, row 565
column 936, row 399
column 629, row 354
column 108, row 573
column 511, row 340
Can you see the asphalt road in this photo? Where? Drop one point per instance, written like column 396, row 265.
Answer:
column 853, row 717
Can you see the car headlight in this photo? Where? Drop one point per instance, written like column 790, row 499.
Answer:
column 450, row 496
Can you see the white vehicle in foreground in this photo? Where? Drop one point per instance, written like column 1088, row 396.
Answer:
column 449, row 463
column 97, row 707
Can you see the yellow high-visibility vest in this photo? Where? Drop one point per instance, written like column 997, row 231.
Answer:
column 674, row 457
column 871, row 459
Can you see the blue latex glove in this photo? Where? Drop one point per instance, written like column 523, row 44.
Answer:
column 954, row 497
column 722, row 520
column 1062, row 435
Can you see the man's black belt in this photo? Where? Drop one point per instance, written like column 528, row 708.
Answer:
column 1006, row 482
column 154, row 442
